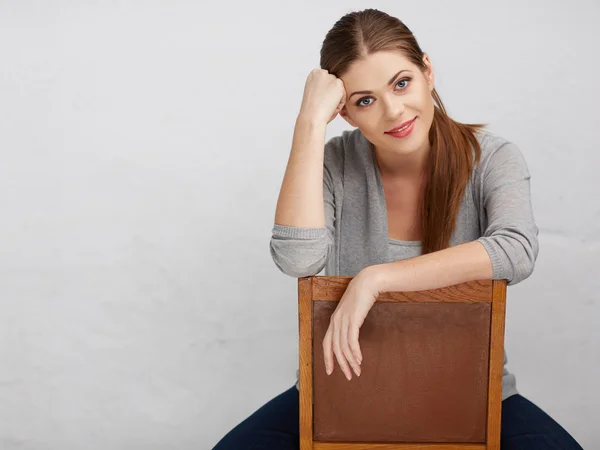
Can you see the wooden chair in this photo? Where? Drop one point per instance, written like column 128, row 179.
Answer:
column 431, row 376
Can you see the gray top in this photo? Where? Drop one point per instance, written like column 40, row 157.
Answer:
column 495, row 210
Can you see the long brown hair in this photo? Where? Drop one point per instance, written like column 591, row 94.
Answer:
column 454, row 147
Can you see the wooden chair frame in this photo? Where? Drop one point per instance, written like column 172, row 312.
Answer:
column 331, row 288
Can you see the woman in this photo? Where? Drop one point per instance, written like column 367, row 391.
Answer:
column 409, row 200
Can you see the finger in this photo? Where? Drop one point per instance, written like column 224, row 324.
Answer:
column 328, row 351
column 338, row 351
column 354, row 343
column 344, row 344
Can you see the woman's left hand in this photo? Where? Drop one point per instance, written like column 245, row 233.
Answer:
column 341, row 337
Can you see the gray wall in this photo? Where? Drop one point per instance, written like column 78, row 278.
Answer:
column 143, row 144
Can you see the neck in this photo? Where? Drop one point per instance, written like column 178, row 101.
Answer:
column 399, row 166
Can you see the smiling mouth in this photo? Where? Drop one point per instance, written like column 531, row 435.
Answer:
column 401, row 127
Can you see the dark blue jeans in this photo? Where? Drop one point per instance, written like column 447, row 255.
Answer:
column 276, row 426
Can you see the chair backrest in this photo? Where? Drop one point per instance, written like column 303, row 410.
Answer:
column 431, row 376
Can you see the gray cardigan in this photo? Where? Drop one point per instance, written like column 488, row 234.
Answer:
column 496, row 210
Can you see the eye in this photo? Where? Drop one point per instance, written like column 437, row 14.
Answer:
column 403, row 79
column 360, row 103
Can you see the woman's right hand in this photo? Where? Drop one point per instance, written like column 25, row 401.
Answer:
column 324, row 96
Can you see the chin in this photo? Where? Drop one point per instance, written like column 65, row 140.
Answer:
column 407, row 145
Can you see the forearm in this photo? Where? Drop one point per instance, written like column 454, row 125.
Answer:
column 300, row 202
column 454, row 265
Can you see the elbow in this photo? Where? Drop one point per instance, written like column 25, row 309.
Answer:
column 521, row 272
column 531, row 249
column 301, row 270
column 298, row 259
column 527, row 251
column 513, row 254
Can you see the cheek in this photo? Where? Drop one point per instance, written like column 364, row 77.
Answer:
column 371, row 123
column 364, row 119
column 428, row 104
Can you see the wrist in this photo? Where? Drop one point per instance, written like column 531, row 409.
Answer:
column 311, row 121
column 374, row 277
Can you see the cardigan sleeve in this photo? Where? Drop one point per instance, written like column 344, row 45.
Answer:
column 509, row 229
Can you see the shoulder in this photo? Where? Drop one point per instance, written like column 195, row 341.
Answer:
column 348, row 140
column 346, row 147
column 499, row 155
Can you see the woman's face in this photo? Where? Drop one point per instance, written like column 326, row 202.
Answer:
column 394, row 99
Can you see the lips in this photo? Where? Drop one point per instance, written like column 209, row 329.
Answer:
column 402, row 125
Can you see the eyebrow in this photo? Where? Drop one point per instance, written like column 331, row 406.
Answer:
column 389, row 82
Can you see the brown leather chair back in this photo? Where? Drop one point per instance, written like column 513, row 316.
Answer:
column 431, row 376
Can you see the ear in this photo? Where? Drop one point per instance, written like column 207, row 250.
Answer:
column 344, row 114
column 429, row 72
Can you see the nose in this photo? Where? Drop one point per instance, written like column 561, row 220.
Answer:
column 393, row 107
